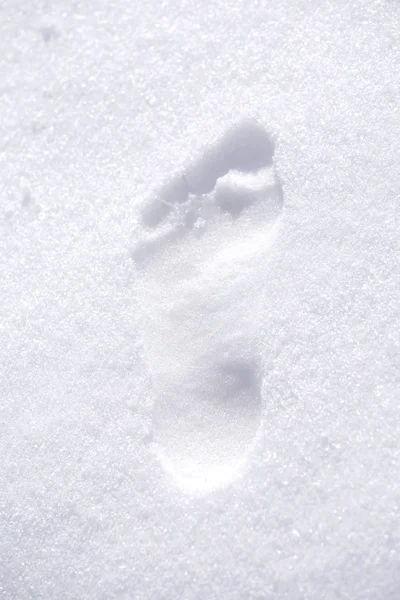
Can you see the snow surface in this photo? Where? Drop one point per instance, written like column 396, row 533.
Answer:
column 199, row 300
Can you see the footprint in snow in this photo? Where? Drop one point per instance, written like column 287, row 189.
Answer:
column 200, row 264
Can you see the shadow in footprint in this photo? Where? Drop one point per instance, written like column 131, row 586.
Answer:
column 246, row 147
column 228, row 177
column 175, row 191
column 235, row 199
column 204, row 434
column 240, row 375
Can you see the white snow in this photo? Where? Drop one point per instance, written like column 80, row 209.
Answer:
column 199, row 300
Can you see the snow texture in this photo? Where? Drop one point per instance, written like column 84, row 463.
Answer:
column 199, row 300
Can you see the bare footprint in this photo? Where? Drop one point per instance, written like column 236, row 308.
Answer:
column 200, row 263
